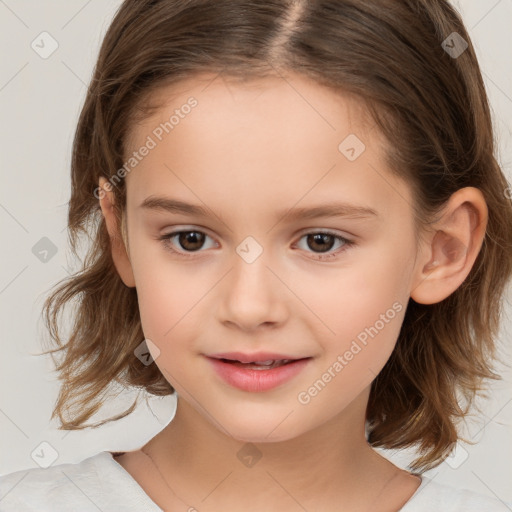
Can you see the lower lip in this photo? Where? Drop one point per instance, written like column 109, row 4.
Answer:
column 257, row 380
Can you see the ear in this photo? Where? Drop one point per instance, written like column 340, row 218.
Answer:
column 119, row 252
column 452, row 247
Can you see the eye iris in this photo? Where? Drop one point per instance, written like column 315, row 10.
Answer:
column 191, row 237
column 318, row 238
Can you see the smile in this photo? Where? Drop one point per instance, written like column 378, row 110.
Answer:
column 259, row 374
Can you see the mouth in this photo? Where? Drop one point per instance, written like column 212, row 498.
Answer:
column 269, row 364
column 257, row 360
column 257, row 372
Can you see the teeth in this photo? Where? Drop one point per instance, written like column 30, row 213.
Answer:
column 269, row 364
column 265, row 365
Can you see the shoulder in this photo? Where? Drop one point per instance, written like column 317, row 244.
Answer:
column 52, row 488
column 96, row 483
column 432, row 495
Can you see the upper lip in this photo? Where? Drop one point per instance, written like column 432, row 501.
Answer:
column 251, row 358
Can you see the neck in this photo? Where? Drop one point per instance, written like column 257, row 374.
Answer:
column 331, row 461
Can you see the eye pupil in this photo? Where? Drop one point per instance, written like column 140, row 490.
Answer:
column 318, row 238
column 191, row 237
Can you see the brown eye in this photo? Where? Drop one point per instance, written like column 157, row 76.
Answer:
column 184, row 242
column 191, row 240
column 322, row 242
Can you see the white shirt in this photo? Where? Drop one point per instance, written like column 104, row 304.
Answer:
column 100, row 483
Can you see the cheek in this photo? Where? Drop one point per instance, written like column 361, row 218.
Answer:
column 364, row 335
column 165, row 306
column 371, row 290
column 161, row 291
column 360, row 314
column 172, row 300
column 166, row 302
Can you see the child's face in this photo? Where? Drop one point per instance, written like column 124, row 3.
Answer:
column 249, row 154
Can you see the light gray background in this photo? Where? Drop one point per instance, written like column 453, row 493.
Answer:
column 40, row 100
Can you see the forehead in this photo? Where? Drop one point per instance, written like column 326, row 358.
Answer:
column 307, row 96
column 273, row 139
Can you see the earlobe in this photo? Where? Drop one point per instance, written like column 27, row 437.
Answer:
column 119, row 252
column 453, row 247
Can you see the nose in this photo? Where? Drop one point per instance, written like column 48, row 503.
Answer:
column 252, row 296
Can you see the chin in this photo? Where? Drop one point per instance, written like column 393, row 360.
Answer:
column 269, row 429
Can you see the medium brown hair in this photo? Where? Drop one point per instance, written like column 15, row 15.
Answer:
column 430, row 105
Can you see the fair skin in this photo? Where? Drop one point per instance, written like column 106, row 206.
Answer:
column 247, row 152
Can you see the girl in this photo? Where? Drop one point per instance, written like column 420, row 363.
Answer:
column 299, row 226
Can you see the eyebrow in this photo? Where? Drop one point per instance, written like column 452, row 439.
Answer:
column 159, row 203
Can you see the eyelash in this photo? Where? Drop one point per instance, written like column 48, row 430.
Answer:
column 166, row 240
